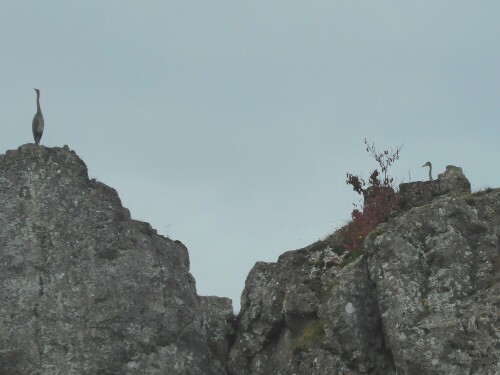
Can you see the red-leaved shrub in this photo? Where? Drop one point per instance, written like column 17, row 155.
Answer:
column 380, row 198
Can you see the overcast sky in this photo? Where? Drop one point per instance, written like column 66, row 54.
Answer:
column 230, row 125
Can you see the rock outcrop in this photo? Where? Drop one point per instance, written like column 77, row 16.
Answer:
column 452, row 182
column 436, row 272
column 218, row 325
column 423, row 298
column 87, row 290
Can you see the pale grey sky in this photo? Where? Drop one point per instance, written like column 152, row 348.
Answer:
column 230, row 125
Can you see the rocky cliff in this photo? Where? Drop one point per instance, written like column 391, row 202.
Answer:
column 422, row 296
column 87, row 290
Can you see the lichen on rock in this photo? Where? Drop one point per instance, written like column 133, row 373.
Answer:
column 85, row 289
column 410, row 304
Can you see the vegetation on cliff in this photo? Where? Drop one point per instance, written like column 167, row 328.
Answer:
column 380, row 198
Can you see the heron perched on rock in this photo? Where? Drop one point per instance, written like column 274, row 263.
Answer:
column 38, row 122
column 428, row 164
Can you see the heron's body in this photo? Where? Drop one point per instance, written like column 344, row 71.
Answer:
column 38, row 122
column 428, row 164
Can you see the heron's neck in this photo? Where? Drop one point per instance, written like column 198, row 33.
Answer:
column 38, row 109
column 430, row 172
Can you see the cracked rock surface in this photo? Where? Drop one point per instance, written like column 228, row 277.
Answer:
column 437, row 272
column 85, row 289
column 422, row 299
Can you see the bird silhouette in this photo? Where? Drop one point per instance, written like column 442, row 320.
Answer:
column 428, row 164
column 38, row 122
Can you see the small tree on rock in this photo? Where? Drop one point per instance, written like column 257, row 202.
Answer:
column 379, row 197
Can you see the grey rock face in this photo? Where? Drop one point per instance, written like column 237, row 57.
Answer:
column 306, row 314
column 218, row 325
column 422, row 299
column 85, row 289
column 451, row 183
column 437, row 271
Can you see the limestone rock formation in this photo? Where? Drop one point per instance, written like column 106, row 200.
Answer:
column 218, row 325
column 85, row 289
column 436, row 272
column 309, row 313
column 423, row 298
column 452, row 182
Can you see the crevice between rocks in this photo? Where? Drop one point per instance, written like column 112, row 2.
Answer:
column 385, row 349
